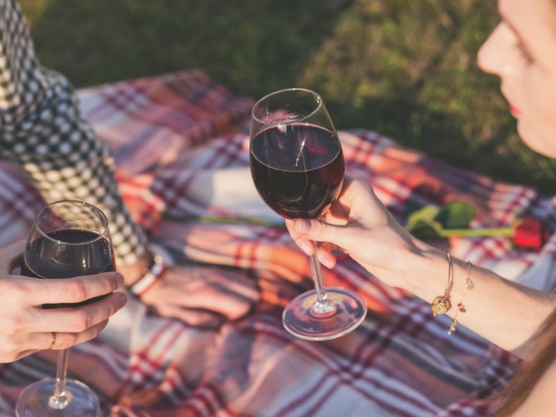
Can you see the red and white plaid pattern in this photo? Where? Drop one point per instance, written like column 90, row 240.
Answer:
column 181, row 149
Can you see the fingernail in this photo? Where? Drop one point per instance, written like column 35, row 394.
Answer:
column 119, row 278
column 304, row 226
column 123, row 298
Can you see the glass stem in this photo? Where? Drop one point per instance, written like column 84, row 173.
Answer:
column 317, row 278
column 59, row 400
column 322, row 305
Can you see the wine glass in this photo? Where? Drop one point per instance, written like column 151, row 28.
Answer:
column 68, row 238
column 297, row 166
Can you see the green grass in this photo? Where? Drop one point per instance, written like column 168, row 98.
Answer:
column 403, row 68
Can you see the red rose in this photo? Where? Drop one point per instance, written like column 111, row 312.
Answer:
column 530, row 233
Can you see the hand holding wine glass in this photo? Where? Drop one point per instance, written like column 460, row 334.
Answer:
column 67, row 239
column 297, row 166
column 27, row 330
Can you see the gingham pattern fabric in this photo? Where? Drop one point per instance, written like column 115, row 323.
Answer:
column 42, row 130
column 181, row 150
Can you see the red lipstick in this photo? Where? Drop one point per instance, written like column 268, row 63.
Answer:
column 515, row 111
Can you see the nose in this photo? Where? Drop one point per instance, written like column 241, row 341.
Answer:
column 498, row 54
column 488, row 55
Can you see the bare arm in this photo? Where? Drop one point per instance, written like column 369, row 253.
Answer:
column 506, row 313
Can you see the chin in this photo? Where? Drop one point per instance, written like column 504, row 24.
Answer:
column 537, row 142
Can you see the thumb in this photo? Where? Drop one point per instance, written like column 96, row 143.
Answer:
column 320, row 231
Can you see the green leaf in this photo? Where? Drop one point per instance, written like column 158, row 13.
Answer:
column 455, row 215
column 427, row 230
column 433, row 221
column 422, row 218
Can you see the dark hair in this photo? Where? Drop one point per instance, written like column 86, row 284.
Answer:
column 530, row 371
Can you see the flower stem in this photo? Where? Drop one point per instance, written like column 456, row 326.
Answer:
column 502, row 231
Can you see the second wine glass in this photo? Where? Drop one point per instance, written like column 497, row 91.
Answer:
column 297, row 166
column 68, row 238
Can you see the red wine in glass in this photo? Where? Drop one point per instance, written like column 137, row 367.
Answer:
column 308, row 179
column 74, row 260
column 67, row 239
column 297, row 167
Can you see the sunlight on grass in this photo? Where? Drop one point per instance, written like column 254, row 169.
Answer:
column 404, row 69
column 33, row 9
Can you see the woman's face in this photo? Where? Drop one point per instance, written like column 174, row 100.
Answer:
column 522, row 52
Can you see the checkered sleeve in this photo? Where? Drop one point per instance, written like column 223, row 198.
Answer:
column 42, row 130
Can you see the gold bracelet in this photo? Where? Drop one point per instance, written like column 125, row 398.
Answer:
column 469, row 285
column 441, row 304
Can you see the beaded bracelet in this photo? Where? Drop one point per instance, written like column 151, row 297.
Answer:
column 469, row 285
column 441, row 304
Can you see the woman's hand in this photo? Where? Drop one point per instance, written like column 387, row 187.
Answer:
column 27, row 327
column 202, row 296
column 359, row 224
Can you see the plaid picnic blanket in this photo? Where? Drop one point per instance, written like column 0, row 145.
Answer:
column 181, row 146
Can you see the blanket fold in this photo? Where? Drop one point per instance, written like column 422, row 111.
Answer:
column 181, row 147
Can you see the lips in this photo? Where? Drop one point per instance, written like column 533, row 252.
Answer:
column 515, row 111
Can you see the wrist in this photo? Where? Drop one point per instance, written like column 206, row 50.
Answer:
column 425, row 271
column 151, row 274
column 153, row 267
column 431, row 272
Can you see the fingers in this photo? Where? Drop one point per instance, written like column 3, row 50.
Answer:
column 306, row 233
column 78, row 320
column 202, row 295
column 15, row 348
column 71, row 290
column 356, row 208
column 219, row 292
column 303, row 242
column 27, row 328
column 326, row 258
column 65, row 340
column 224, row 292
column 193, row 317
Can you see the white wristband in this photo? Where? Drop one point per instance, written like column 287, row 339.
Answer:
column 155, row 271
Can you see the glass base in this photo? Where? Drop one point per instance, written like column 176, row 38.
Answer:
column 34, row 400
column 340, row 313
